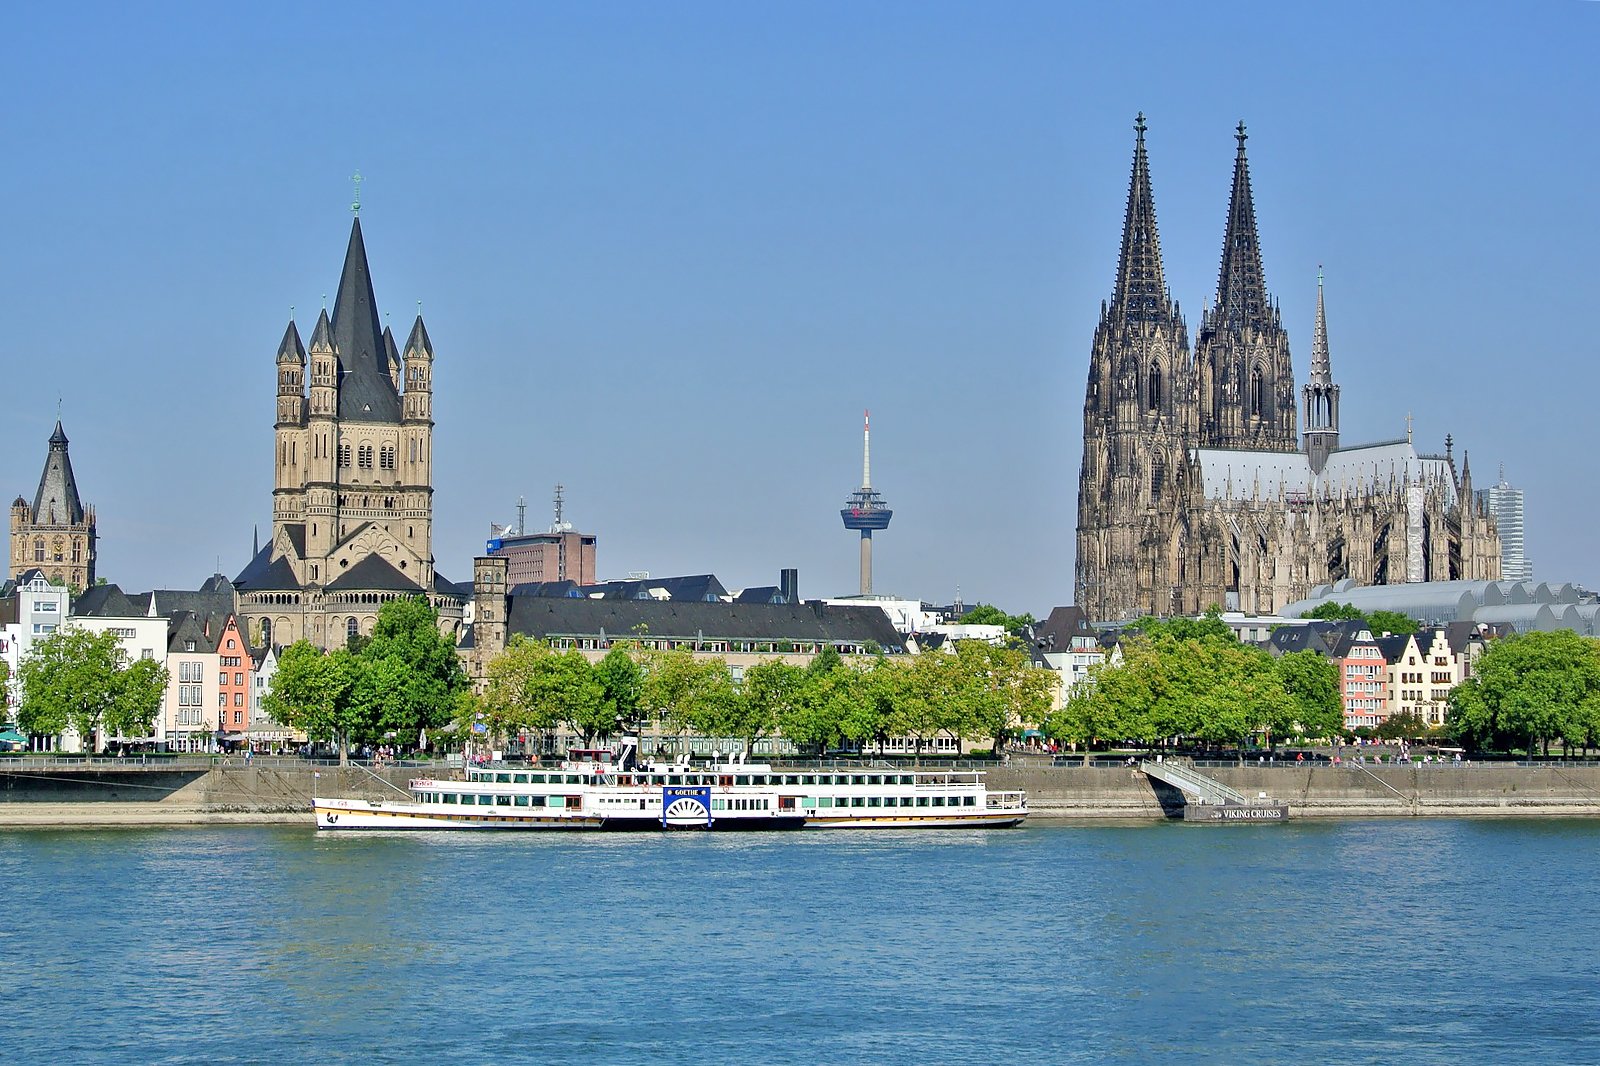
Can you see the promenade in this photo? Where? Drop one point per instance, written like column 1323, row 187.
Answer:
column 203, row 791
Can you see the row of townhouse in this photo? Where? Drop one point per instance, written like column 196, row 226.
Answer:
column 215, row 682
column 1381, row 676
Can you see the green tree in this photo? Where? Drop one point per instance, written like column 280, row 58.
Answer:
column 1336, row 612
column 1381, row 622
column 417, row 672
column 1312, row 682
column 533, row 688
column 81, row 679
column 311, row 692
column 996, row 690
column 1528, row 689
column 988, row 615
column 772, row 690
column 621, row 682
column 1403, row 725
column 1208, row 626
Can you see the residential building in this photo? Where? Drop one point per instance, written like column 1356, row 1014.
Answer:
column 56, row 533
column 31, row 608
column 143, row 636
column 234, row 669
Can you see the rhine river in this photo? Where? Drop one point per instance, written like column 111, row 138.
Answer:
column 1421, row 941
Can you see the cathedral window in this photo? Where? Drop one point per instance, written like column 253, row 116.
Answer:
column 387, row 459
column 365, row 457
column 344, row 455
column 1158, row 477
column 350, row 628
column 1155, row 388
column 1258, row 393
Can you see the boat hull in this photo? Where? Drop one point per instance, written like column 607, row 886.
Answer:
column 352, row 814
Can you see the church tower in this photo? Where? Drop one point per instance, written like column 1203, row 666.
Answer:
column 352, row 523
column 1137, row 412
column 1322, row 395
column 1246, row 380
column 56, row 533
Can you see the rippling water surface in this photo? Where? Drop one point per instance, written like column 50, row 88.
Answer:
column 1414, row 941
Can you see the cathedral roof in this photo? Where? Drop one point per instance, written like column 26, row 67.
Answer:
column 265, row 572
column 1241, row 473
column 56, row 501
column 1241, row 283
column 1141, row 292
column 366, row 393
column 418, row 341
column 373, row 572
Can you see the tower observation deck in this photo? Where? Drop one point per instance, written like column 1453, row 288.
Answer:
column 865, row 509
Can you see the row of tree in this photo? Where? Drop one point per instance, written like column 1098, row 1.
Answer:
column 1378, row 622
column 81, row 680
column 1193, row 679
column 979, row 692
column 1528, row 690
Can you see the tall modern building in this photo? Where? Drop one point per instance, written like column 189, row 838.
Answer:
column 1505, row 503
column 56, row 532
column 865, row 509
column 1201, row 484
column 352, row 498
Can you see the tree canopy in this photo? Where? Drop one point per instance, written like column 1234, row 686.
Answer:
column 79, row 679
column 402, row 680
column 1529, row 689
column 1194, row 679
column 1379, row 622
column 985, row 614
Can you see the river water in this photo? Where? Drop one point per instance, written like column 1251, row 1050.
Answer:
column 1363, row 941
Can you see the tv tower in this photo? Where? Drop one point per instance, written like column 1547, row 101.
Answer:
column 865, row 509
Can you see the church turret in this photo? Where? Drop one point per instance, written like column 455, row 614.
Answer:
column 1321, row 394
column 57, row 533
column 1242, row 353
column 392, row 356
column 416, row 431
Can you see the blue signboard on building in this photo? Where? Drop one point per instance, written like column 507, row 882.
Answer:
column 684, row 805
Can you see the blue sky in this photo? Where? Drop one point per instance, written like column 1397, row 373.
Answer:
column 667, row 253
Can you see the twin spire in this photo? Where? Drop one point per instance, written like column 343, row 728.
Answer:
column 1141, row 292
column 1241, row 283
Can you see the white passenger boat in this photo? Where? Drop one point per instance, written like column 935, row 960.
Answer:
column 603, row 789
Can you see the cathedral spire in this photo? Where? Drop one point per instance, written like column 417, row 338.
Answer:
column 1321, row 368
column 1141, row 291
column 366, row 393
column 1241, row 283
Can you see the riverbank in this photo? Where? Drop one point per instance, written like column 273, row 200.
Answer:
column 238, row 795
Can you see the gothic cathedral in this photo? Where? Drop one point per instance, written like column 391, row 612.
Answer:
column 352, row 514
column 1199, row 488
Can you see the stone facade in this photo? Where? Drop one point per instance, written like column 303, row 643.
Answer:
column 56, row 533
column 1198, row 487
column 352, row 515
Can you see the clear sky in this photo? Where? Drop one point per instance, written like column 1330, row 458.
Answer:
column 667, row 253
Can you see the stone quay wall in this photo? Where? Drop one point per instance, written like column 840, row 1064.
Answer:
column 100, row 796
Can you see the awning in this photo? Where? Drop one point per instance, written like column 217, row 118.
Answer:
column 11, row 736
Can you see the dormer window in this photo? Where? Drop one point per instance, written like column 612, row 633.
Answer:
column 188, row 645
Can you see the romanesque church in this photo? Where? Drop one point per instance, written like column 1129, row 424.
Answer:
column 1198, row 485
column 352, row 514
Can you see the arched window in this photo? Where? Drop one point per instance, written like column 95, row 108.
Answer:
column 344, row 455
column 266, row 632
column 350, row 628
column 1154, row 398
column 364, row 460
column 387, row 458
column 1258, row 394
column 1158, row 476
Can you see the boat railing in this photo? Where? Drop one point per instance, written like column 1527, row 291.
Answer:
column 1004, row 799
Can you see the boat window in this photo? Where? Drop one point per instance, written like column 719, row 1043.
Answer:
column 742, row 779
column 824, row 801
column 537, row 801
column 522, row 801
column 858, row 801
column 938, row 801
column 969, row 801
column 502, row 801
column 874, row 779
column 558, row 801
column 674, row 779
column 521, row 779
column 808, row 803
column 874, row 801
column 922, row 801
column 504, row 779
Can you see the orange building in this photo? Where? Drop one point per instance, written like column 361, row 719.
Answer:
column 233, row 680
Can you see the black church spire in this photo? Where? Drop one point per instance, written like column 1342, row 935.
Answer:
column 366, row 391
